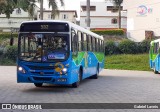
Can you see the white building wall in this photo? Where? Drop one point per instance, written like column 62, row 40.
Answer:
column 101, row 18
column 138, row 23
column 14, row 22
column 69, row 15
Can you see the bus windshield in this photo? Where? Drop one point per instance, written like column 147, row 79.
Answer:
column 43, row 47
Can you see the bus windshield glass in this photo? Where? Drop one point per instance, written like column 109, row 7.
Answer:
column 43, row 47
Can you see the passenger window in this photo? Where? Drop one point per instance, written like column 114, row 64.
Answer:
column 79, row 41
column 74, row 42
column 85, row 42
column 89, row 43
column 93, row 44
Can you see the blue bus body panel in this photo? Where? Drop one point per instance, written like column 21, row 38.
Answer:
column 50, row 76
column 155, row 64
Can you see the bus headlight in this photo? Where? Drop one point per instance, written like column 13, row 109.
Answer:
column 64, row 70
column 21, row 69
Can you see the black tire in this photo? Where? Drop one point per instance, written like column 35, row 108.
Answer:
column 38, row 84
column 156, row 72
column 97, row 74
column 76, row 84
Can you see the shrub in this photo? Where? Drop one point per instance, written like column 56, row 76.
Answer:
column 111, row 48
column 109, row 32
column 5, row 61
column 11, row 52
column 1, row 51
column 8, row 35
column 128, row 47
column 145, row 46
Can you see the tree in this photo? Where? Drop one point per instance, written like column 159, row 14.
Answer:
column 52, row 4
column 27, row 5
column 8, row 6
column 31, row 8
column 118, row 4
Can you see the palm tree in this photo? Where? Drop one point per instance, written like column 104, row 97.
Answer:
column 31, row 8
column 52, row 4
column 27, row 5
column 118, row 4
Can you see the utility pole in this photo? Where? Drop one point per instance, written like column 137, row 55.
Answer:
column 41, row 9
column 88, row 15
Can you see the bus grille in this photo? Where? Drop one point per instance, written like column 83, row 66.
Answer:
column 42, row 78
column 44, row 72
column 41, row 67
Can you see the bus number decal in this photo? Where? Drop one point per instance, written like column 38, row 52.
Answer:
column 44, row 27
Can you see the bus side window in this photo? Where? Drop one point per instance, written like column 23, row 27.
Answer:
column 82, row 43
column 85, row 42
column 156, row 47
column 103, row 47
column 74, row 42
column 96, row 47
column 79, row 41
column 93, row 44
column 89, row 43
column 99, row 45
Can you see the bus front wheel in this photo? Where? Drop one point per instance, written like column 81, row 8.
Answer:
column 38, row 84
column 76, row 84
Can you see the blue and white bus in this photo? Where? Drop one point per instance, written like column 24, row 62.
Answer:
column 154, row 55
column 58, row 52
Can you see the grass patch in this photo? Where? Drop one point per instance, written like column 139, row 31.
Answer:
column 128, row 62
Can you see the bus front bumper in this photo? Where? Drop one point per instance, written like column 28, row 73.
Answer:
column 61, row 79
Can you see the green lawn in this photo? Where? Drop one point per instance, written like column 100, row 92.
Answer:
column 128, row 62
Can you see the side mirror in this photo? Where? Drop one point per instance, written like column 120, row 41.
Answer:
column 11, row 40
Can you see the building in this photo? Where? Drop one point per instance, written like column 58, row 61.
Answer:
column 102, row 15
column 67, row 15
column 15, row 20
column 143, row 19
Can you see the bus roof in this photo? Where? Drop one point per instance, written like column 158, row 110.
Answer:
column 72, row 25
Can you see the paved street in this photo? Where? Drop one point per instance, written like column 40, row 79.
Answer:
column 113, row 86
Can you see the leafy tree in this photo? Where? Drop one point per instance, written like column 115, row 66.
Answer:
column 31, row 8
column 8, row 6
column 52, row 4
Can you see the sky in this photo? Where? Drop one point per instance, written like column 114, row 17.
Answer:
column 71, row 5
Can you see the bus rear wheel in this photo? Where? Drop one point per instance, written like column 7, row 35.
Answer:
column 76, row 84
column 155, row 71
column 38, row 84
column 97, row 73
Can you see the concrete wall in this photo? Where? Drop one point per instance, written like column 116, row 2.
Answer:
column 69, row 15
column 14, row 22
column 101, row 18
column 142, row 15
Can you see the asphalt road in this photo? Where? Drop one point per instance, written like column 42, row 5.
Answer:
column 112, row 86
